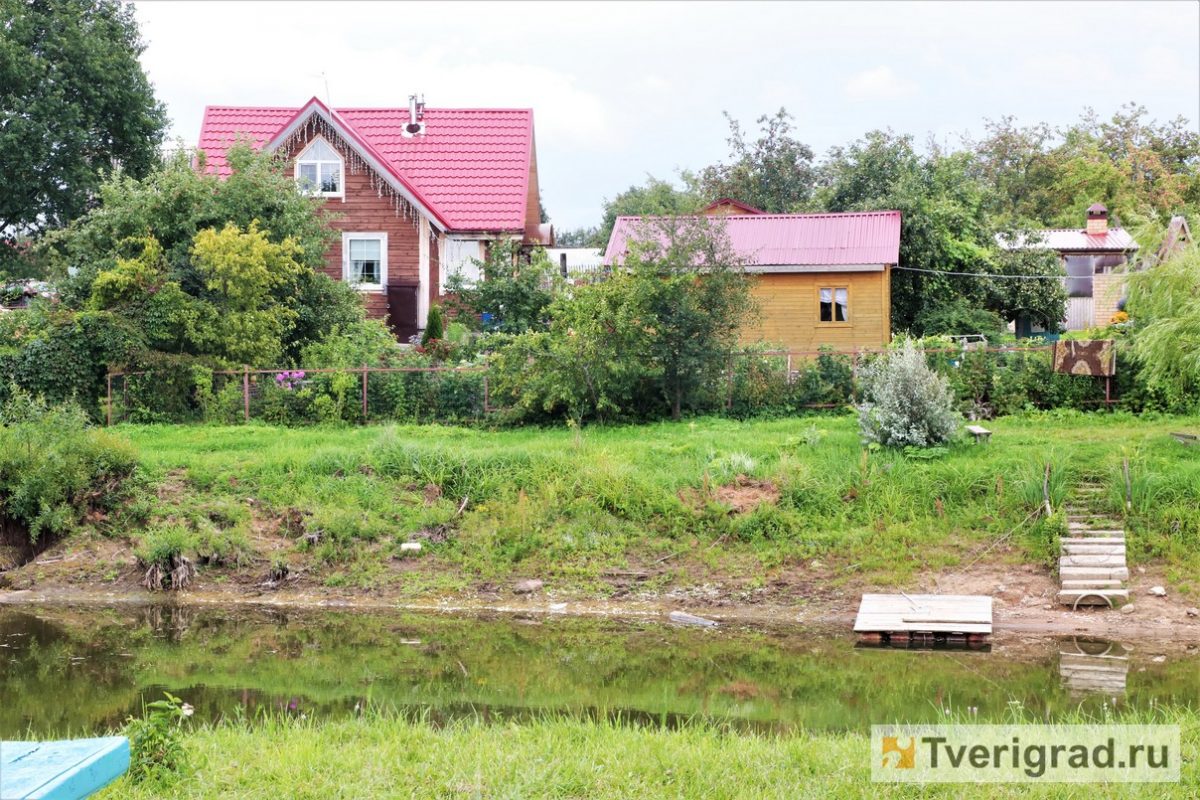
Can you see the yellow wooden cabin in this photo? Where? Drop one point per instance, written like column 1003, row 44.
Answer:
column 823, row 280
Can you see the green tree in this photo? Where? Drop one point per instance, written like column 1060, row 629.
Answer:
column 1038, row 176
column 1018, row 291
column 653, row 338
column 695, row 294
column 171, row 206
column 242, row 271
column 1164, row 303
column 653, row 198
column 774, row 172
column 580, row 237
column 943, row 226
column 74, row 104
column 514, row 291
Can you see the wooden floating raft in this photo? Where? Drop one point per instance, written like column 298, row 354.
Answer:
column 896, row 618
column 64, row 770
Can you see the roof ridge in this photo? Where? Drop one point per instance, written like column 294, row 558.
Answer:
column 770, row 216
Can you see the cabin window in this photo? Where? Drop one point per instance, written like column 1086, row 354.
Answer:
column 364, row 260
column 319, row 170
column 835, row 304
column 1080, row 270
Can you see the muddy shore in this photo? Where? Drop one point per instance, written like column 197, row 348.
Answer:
column 1023, row 605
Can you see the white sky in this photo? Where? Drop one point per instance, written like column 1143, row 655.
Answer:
column 620, row 90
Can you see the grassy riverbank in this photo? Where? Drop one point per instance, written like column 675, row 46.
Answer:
column 627, row 510
column 562, row 758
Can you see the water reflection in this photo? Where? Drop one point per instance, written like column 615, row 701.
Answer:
column 83, row 670
column 1094, row 665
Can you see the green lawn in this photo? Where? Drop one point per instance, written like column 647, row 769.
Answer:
column 562, row 758
column 573, row 505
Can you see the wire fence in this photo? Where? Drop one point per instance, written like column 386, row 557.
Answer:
column 985, row 379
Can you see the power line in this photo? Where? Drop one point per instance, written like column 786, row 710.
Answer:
column 982, row 274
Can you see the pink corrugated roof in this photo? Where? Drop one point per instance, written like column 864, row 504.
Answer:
column 471, row 165
column 799, row 240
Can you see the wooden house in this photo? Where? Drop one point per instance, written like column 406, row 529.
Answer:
column 417, row 192
column 822, row 280
column 1096, row 258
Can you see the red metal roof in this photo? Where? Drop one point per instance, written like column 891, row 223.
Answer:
column 869, row 238
column 471, row 166
column 729, row 201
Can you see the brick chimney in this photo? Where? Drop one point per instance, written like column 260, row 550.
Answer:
column 1097, row 220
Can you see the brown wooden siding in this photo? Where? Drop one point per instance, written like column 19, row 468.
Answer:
column 533, row 206
column 363, row 210
column 789, row 311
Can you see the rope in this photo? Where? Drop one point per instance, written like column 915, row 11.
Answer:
column 983, row 274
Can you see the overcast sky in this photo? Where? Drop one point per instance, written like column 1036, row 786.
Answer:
column 620, row 90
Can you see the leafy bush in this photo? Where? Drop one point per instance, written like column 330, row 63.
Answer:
column 55, row 468
column 652, row 339
column 157, row 754
column 905, row 402
column 513, row 295
column 63, row 356
column 162, row 553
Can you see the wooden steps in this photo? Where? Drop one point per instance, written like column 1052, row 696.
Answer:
column 1092, row 567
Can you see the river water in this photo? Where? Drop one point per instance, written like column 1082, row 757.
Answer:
column 83, row 670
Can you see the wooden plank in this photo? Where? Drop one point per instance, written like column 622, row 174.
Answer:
column 61, row 770
column 880, row 613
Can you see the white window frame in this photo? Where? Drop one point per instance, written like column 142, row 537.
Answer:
column 341, row 162
column 347, row 237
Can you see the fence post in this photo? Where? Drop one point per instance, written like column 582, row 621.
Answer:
column 854, row 377
column 1128, row 486
column 109, row 377
column 245, row 392
column 364, row 391
column 486, row 399
column 1046, row 490
column 729, row 395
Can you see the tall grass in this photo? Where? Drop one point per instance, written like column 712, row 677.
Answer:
column 574, row 503
column 389, row 756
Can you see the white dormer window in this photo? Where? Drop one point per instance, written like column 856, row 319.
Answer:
column 319, row 170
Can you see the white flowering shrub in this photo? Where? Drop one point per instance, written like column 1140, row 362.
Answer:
column 905, row 403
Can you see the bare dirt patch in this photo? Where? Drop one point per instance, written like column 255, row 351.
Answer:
column 746, row 494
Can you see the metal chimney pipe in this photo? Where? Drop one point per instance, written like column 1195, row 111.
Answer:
column 414, row 125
